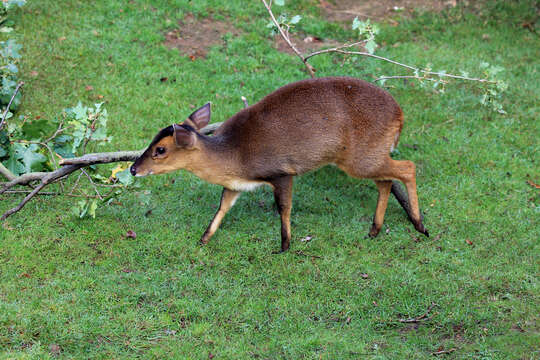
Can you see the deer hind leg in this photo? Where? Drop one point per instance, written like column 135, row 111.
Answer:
column 405, row 171
column 228, row 198
column 403, row 200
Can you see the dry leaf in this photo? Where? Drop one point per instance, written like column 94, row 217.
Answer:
column 89, row 88
column 131, row 234
column 536, row 186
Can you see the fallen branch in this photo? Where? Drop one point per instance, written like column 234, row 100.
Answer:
column 6, row 173
column 422, row 318
column 102, row 158
column 341, row 50
column 46, row 179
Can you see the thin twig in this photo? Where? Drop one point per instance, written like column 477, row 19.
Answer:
column 59, row 130
column 46, row 178
column 300, row 252
column 50, row 194
column 441, row 352
column 23, row 202
column 285, row 37
column 28, row 192
column 76, row 184
column 334, row 49
column 404, row 77
column 421, row 318
column 19, row 85
column 363, row 53
column 92, row 183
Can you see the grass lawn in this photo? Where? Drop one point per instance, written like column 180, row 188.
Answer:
column 79, row 288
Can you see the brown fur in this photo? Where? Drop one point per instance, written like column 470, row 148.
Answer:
column 299, row 127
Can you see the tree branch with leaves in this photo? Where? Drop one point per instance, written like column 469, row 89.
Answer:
column 366, row 45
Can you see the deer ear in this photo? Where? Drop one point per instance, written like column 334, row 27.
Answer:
column 201, row 117
column 183, row 137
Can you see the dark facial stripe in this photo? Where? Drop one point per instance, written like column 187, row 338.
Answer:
column 168, row 131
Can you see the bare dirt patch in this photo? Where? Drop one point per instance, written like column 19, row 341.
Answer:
column 347, row 10
column 194, row 37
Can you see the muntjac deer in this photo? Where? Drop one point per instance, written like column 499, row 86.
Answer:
column 299, row 127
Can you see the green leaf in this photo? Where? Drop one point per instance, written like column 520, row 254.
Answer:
column 296, row 19
column 279, row 2
column 92, row 208
column 12, row 68
column 32, row 159
column 78, row 135
column 125, row 177
column 10, row 49
column 502, row 86
column 36, row 129
column 80, row 112
column 4, row 139
column 492, row 71
column 484, row 99
column 64, row 150
column 82, row 208
column 370, row 46
column 355, row 23
column 13, row 164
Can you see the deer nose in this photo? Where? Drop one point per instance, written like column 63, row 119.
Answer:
column 133, row 170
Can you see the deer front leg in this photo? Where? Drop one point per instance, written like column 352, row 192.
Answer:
column 283, row 196
column 228, row 198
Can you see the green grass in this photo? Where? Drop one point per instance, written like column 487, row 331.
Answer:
column 81, row 284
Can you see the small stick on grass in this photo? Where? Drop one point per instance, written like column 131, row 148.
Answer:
column 422, row 318
column 442, row 352
column 300, row 252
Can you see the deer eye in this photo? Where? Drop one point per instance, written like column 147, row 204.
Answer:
column 160, row 150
